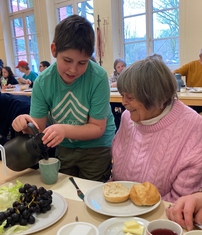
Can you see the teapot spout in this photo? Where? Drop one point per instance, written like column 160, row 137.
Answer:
column 45, row 155
column 3, row 157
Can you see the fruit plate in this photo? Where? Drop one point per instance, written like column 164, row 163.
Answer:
column 95, row 200
column 114, row 226
column 58, row 209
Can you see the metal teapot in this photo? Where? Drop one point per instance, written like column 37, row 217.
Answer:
column 24, row 151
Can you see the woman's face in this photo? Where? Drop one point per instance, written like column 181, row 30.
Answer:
column 119, row 67
column 137, row 110
column 4, row 73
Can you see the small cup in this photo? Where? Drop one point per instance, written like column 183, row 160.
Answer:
column 163, row 224
column 49, row 170
column 78, row 228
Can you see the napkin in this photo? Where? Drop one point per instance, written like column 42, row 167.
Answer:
column 67, row 189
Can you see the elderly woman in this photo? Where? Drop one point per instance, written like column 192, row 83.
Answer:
column 160, row 138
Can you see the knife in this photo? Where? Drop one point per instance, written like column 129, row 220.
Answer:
column 79, row 192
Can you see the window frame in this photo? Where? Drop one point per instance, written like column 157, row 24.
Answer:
column 62, row 3
column 16, row 15
column 149, row 30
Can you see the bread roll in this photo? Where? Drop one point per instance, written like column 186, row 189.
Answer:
column 145, row 194
column 115, row 192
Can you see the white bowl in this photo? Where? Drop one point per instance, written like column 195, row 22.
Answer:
column 194, row 232
column 165, row 224
column 77, row 228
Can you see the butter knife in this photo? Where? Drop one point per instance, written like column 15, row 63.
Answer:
column 198, row 226
column 79, row 192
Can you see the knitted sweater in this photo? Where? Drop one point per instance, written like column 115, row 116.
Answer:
column 193, row 73
column 167, row 154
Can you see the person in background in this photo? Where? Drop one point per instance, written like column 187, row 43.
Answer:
column 186, row 210
column 156, row 56
column 1, row 66
column 43, row 65
column 117, row 108
column 83, row 125
column 192, row 71
column 29, row 76
column 11, row 106
column 1, row 77
column 9, row 77
column 148, row 145
column 119, row 65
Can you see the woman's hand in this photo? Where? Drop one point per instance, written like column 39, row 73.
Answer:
column 53, row 135
column 186, row 210
column 20, row 123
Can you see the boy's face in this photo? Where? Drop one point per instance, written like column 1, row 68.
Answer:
column 71, row 64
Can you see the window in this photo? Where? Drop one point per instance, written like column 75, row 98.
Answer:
column 23, row 31
column 18, row 5
column 80, row 7
column 151, row 26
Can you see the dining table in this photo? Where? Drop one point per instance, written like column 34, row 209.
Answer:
column 75, row 206
column 18, row 90
column 188, row 97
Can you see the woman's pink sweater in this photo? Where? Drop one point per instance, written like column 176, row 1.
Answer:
column 167, row 154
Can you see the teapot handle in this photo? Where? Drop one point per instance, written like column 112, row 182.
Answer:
column 33, row 128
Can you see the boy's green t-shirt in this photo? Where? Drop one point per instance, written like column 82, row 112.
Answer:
column 73, row 104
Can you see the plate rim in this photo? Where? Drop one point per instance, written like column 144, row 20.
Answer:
column 10, row 89
column 113, row 89
column 138, row 219
column 150, row 208
column 27, row 90
column 55, row 219
column 196, row 90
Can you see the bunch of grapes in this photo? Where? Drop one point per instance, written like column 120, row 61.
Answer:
column 32, row 200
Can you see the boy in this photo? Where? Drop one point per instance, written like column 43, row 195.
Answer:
column 29, row 76
column 75, row 91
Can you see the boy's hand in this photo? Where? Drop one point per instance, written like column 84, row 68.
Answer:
column 53, row 135
column 20, row 123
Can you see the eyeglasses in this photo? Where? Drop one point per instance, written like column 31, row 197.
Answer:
column 40, row 66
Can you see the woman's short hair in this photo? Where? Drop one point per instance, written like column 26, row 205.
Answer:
column 117, row 61
column 74, row 32
column 150, row 81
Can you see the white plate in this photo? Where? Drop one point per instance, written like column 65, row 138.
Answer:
column 58, row 209
column 95, row 200
column 113, row 89
column 28, row 90
column 114, row 226
column 196, row 90
column 10, row 89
